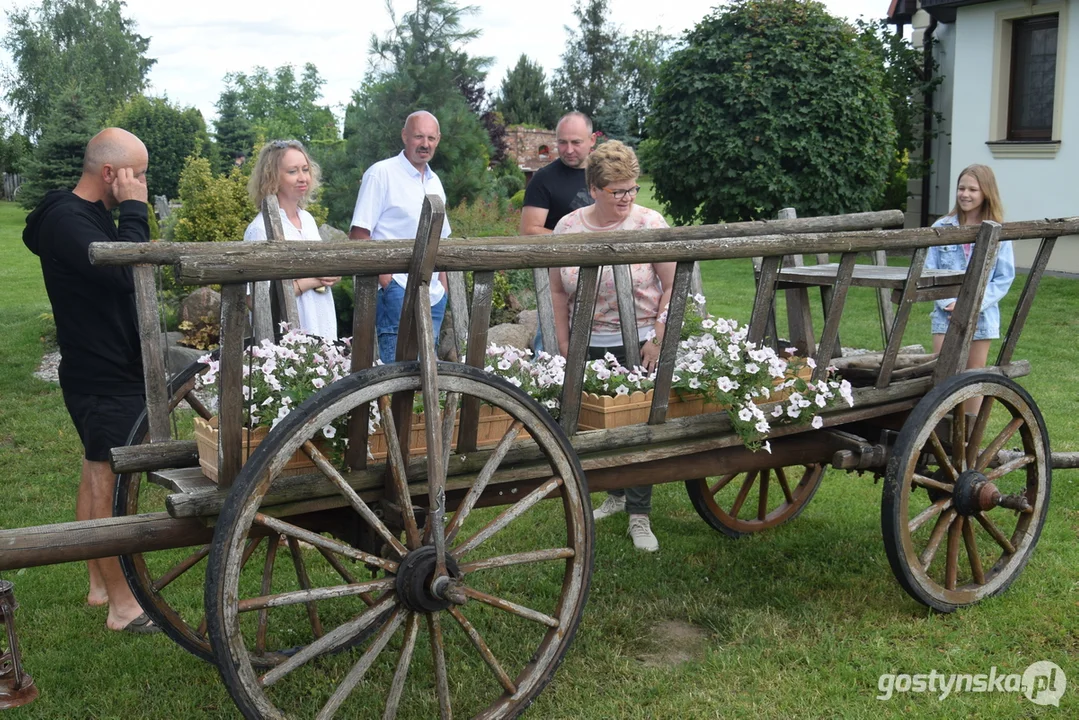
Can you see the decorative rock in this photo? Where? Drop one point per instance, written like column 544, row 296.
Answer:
column 204, row 302
column 178, row 356
column 529, row 319
column 519, row 336
column 329, row 233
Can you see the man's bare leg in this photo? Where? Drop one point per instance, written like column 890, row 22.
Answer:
column 83, row 511
column 123, row 608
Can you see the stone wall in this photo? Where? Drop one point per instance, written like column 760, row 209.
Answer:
column 531, row 148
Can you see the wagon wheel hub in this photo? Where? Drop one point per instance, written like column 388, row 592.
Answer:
column 414, row 582
column 974, row 493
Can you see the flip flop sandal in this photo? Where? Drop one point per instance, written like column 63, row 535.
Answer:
column 142, row 625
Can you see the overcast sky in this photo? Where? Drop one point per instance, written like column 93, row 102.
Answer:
column 197, row 41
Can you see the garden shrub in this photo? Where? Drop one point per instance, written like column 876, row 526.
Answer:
column 484, row 218
column 770, row 104
column 518, row 200
column 214, row 208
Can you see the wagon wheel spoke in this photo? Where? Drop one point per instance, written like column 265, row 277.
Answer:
column 743, row 493
column 506, row 517
column 1010, row 466
column 398, row 473
column 935, row 538
column 488, row 471
column 998, row 442
column 928, row 514
column 264, row 588
column 485, row 652
column 438, row 654
column 959, row 438
column 977, row 432
column 310, row 596
column 305, row 583
column 762, row 500
column 180, row 568
column 339, row 636
column 928, row 482
column 722, row 483
column 994, row 532
column 361, row 667
column 941, row 455
column 288, row 529
column 781, row 476
column 197, row 405
column 510, row 607
column 972, row 553
column 951, row 568
column 524, row 558
column 397, row 687
column 354, row 499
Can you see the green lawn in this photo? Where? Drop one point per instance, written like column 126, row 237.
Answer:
column 797, row 622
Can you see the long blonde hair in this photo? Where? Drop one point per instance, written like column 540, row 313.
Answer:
column 265, row 179
column 992, row 208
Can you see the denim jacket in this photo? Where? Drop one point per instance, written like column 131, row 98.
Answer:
column 952, row 257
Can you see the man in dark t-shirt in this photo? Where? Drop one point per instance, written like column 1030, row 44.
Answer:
column 559, row 188
column 97, row 330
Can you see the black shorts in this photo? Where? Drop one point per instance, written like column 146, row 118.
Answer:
column 103, row 421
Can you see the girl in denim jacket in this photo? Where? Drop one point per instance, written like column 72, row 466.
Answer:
column 976, row 199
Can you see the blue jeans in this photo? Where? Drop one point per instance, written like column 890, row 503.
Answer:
column 388, row 304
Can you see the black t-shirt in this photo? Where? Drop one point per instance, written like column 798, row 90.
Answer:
column 559, row 189
column 94, row 306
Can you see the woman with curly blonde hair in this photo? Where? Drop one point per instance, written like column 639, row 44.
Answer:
column 284, row 169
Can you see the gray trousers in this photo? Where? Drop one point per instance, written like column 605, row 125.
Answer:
column 638, row 499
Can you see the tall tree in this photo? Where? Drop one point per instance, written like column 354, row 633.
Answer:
column 170, row 133
column 638, row 70
column 235, row 136
column 588, row 75
column 85, row 44
column 771, row 103
column 57, row 160
column 524, row 97
column 419, row 65
column 282, row 105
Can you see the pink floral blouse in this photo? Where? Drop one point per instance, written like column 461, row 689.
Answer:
column 647, row 288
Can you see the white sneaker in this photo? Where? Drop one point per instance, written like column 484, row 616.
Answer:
column 613, row 505
column 640, row 529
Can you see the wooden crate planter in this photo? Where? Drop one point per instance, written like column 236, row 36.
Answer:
column 602, row 412
column 493, row 424
column 206, row 437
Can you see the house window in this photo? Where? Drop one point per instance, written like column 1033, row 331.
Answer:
column 1033, row 78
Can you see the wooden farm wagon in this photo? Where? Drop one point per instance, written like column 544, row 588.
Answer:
column 451, row 582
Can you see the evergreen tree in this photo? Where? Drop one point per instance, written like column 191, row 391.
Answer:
column 524, row 98
column 170, row 134
column 85, row 44
column 588, row 75
column 57, row 161
column 419, row 65
column 282, row 106
column 235, row 136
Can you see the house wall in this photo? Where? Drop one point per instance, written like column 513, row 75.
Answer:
column 525, row 144
column 1031, row 188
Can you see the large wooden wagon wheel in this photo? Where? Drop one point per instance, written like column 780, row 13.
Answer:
column 494, row 625
column 169, row 584
column 959, row 526
column 742, row 503
column 157, row 577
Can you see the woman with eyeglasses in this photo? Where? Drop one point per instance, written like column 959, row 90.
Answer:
column 611, row 175
column 284, row 169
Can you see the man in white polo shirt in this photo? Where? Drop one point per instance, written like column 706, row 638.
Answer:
column 388, row 208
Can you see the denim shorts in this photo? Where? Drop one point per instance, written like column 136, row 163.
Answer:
column 986, row 330
column 103, row 421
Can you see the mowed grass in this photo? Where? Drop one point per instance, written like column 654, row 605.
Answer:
column 798, row 622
